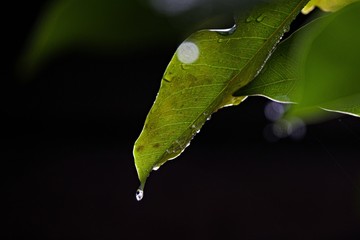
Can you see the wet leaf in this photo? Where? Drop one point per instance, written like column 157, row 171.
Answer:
column 316, row 66
column 202, row 76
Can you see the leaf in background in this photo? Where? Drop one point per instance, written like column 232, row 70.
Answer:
column 326, row 5
column 316, row 66
column 202, row 76
column 112, row 26
column 92, row 25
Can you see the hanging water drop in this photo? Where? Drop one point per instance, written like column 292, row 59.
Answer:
column 139, row 193
column 155, row 168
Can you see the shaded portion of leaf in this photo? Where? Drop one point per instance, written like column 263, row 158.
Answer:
column 279, row 79
column 317, row 66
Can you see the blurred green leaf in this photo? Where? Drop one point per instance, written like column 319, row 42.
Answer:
column 326, row 5
column 202, row 76
column 316, row 66
column 92, row 25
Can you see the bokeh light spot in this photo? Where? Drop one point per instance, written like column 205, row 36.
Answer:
column 188, row 52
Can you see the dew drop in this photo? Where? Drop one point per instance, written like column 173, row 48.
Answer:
column 224, row 32
column 286, row 29
column 260, row 18
column 155, row 168
column 193, row 126
column 249, row 19
column 221, row 40
column 139, row 193
column 185, row 66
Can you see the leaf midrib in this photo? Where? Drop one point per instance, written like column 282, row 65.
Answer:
column 249, row 62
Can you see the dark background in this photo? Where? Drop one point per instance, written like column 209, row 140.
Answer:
column 67, row 167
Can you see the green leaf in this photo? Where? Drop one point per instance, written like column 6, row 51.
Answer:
column 317, row 66
column 202, row 76
column 97, row 26
column 326, row 5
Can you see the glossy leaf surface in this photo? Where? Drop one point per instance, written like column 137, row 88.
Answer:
column 202, row 76
column 316, row 66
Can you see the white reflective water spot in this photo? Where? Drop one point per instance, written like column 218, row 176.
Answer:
column 139, row 194
column 226, row 31
column 155, row 168
column 188, row 52
column 174, row 7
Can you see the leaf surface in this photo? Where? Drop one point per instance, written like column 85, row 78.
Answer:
column 202, row 76
column 326, row 5
column 316, row 67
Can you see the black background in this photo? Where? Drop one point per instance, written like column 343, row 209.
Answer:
column 68, row 173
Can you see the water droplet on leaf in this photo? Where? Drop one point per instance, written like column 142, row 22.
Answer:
column 185, row 66
column 260, row 18
column 249, row 19
column 225, row 32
